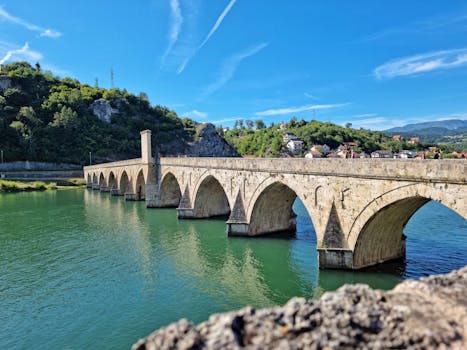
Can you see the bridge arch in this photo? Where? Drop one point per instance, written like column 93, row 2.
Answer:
column 377, row 233
column 101, row 180
column 170, row 191
column 140, row 186
column 210, row 199
column 95, row 181
column 112, row 181
column 124, row 183
column 270, row 208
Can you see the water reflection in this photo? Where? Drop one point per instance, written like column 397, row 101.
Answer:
column 76, row 264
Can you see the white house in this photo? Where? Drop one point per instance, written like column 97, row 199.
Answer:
column 324, row 149
column 289, row 137
column 295, row 146
column 313, row 154
column 382, row 154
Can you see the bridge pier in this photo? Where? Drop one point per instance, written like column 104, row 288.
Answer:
column 96, row 187
column 130, row 196
column 114, row 192
column 104, row 189
column 185, row 213
column 89, row 185
column 151, row 196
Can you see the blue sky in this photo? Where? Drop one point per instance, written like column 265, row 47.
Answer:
column 372, row 63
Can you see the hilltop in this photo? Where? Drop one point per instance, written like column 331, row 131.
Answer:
column 49, row 119
column 256, row 139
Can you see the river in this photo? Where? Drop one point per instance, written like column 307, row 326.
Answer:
column 81, row 269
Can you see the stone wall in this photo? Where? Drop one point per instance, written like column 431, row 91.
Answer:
column 427, row 314
column 26, row 165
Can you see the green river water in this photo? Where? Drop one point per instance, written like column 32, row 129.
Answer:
column 81, row 269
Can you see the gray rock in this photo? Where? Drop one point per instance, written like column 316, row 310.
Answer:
column 209, row 143
column 5, row 82
column 102, row 109
column 427, row 314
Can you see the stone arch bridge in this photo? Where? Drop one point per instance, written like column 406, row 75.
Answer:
column 359, row 207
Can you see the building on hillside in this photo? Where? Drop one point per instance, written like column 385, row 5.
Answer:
column 333, row 155
column 397, row 137
column 350, row 144
column 433, row 149
column 324, row 149
column 406, row 154
column 283, row 126
column 364, row 155
column 313, row 154
column 343, row 152
column 460, row 155
column 289, row 137
column 414, row 140
column 382, row 154
column 295, row 146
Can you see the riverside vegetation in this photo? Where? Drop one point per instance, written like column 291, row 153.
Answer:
column 27, row 186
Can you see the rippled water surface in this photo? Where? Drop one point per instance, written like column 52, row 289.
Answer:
column 80, row 269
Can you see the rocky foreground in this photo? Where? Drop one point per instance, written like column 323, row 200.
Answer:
column 427, row 314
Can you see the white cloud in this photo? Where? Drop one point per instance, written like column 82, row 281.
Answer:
column 4, row 15
column 290, row 110
column 198, row 114
column 313, row 97
column 206, row 39
column 229, row 67
column 422, row 63
column 226, row 120
column 176, row 22
column 21, row 54
column 49, row 33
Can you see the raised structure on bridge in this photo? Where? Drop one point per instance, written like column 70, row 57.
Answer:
column 359, row 207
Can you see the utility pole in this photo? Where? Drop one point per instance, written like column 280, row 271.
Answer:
column 90, row 159
column 111, row 78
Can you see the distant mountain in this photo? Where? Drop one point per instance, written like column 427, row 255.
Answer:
column 451, row 125
column 452, row 131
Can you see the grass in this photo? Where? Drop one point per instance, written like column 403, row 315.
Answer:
column 26, row 186
column 17, row 186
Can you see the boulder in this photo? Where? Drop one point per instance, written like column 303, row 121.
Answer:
column 209, row 143
column 427, row 314
column 102, row 109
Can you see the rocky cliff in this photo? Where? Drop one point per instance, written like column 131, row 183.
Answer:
column 427, row 314
column 208, row 143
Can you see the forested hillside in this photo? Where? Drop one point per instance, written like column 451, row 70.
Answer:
column 254, row 138
column 45, row 118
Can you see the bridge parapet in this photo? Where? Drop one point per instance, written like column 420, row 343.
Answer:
column 428, row 170
column 120, row 163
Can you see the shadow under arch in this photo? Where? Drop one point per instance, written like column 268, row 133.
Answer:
column 94, row 179
column 124, row 183
column 140, row 187
column 170, row 192
column 210, row 199
column 112, row 181
column 101, row 180
column 382, row 237
column 273, row 210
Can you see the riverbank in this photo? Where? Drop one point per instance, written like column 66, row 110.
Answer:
column 11, row 186
column 425, row 314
